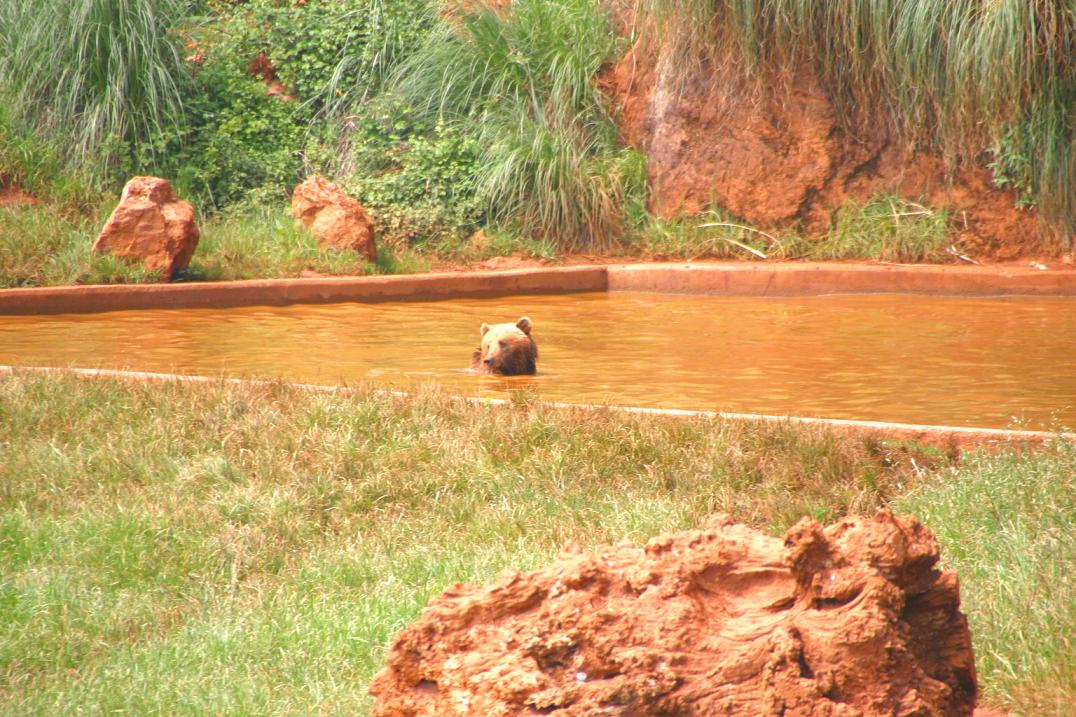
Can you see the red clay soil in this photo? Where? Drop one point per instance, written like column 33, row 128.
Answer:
column 852, row 619
column 776, row 157
column 11, row 195
column 262, row 67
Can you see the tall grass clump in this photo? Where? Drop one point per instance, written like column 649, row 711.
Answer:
column 887, row 228
column 97, row 77
column 522, row 79
column 962, row 76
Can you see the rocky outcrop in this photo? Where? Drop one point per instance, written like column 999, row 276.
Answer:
column 852, row 619
column 334, row 218
column 151, row 226
column 776, row 153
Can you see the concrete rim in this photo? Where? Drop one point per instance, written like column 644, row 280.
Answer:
column 715, row 278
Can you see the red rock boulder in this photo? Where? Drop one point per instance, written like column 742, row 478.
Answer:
column 848, row 620
column 334, row 218
column 150, row 226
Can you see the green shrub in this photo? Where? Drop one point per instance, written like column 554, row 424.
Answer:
column 237, row 137
column 332, row 53
column 521, row 81
column 416, row 177
column 329, row 55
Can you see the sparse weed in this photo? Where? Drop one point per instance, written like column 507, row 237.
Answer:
column 887, row 228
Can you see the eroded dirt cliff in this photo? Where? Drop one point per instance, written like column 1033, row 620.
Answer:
column 851, row 619
column 776, row 153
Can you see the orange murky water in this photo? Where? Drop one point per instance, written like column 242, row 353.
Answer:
column 974, row 362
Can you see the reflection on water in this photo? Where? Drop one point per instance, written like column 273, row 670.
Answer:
column 977, row 362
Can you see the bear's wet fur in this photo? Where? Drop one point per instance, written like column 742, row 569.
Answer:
column 507, row 349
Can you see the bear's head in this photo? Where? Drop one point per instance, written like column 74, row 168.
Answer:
column 507, row 349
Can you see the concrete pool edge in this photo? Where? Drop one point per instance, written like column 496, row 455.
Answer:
column 956, row 436
column 812, row 278
column 716, row 278
column 281, row 292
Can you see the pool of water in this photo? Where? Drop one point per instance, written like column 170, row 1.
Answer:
column 912, row 359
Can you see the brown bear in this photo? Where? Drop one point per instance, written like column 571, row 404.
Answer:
column 507, row 349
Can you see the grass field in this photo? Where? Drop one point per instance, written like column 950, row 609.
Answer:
column 179, row 549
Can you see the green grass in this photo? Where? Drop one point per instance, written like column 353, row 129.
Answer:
column 963, row 76
column 885, row 228
column 264, row 242
column 182, row 549
column 1005, row 525
column 42, row 246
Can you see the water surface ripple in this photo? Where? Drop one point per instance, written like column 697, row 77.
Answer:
column 913, row 359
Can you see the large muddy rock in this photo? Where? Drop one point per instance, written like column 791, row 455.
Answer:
column 150, row 226
column 334, row 218
column 777, row 153
column 852, row 619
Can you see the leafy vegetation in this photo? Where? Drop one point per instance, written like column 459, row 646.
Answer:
column 521, row 80
column 444, row 122
column 331, row 54
column 183, row 549
column 415, row 175
column 241, row 136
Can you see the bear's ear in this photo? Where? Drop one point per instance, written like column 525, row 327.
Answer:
column 484, row 329
column 524, row 325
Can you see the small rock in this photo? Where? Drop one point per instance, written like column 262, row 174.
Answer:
column 334, row 218
column 150, row 226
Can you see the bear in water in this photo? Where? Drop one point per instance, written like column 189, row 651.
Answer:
column 507, row 349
